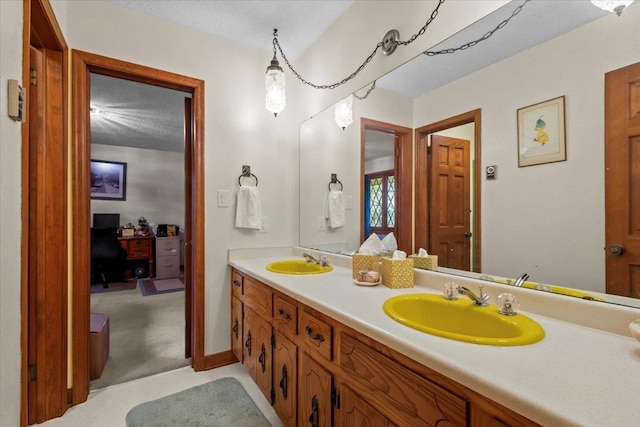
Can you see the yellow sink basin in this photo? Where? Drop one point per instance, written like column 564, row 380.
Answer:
column 462, row 320
column 297, row 266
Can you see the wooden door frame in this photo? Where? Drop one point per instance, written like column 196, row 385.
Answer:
column 404, row 182
column 84, row 63
column 41, row 29
column 422, row 200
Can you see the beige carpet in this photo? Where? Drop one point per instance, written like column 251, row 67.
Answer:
column 146, row 335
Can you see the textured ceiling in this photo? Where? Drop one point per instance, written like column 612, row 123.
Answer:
column 149, row 117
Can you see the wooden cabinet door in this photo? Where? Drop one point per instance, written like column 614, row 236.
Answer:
column 236, row 327
column 257, row 350
column 249, row 341
column 314, row 394
column 355, row 411
column 263, row 357
column 285, row 379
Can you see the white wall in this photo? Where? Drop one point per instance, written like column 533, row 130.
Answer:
column 546, row 220
column 10, row 220
column 155, row 185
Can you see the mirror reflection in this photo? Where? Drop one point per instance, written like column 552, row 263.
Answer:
column 547, row 220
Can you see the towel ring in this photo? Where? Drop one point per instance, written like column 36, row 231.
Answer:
column 249, row 175
column 246, row 173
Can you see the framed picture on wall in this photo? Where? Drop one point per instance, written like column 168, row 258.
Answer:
column 541, row 133
column 108, row 180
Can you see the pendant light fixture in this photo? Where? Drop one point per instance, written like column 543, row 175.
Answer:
column 274, row 84
column 616, row 6
column 344, row 112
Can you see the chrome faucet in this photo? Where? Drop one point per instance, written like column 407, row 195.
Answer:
column 520, row 280
column 481, row 300
column 310, row 258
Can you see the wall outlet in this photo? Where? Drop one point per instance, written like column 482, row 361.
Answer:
column 264, row 224
column 348, row 202
column 322, row 223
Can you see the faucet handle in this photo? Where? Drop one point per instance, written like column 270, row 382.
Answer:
column 508, row 304
column 450, row 291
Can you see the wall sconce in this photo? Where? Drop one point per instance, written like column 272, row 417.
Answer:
column 616, row 6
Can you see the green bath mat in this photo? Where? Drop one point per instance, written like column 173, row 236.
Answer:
column 223, row 402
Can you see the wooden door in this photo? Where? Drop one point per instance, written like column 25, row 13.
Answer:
column 314, row 394
column 249, row 340
column 622, row 180
column 449, row 194
column 284, row 379
column 355, row 411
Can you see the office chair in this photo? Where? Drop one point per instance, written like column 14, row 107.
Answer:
column 108, row 258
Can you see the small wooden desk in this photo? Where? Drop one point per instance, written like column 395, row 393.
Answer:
column 140, row 248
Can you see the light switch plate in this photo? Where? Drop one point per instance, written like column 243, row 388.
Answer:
column 322, row 223
column 223, row 198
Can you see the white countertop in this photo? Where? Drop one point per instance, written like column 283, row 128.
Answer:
column 576, row 376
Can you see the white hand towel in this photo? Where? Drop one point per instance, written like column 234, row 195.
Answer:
column 248, row 211
column 335, row 209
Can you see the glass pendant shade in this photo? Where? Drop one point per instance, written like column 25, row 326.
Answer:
column 274, row 82
column 616, row 6
column 344, row 112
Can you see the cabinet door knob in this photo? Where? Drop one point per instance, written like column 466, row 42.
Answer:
column 284, row 314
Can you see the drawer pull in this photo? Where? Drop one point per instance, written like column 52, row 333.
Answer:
column 284, row 382
column 284, row 314
column 263, row 359
column 236, row 283
column 313, row 335
column 247, row 343
column 236, row 327
column 314, row 419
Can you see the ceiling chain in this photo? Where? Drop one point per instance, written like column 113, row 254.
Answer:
column 432, row 17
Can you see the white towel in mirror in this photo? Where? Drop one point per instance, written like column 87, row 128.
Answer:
column 335, row 209
column 248, row 211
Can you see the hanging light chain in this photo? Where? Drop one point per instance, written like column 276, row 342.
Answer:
column 434, row 14
column 487, row 35
column 424, row 28
column 362, row 98
column 330, row 86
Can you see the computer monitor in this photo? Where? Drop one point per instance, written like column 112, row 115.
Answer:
column 105, row 220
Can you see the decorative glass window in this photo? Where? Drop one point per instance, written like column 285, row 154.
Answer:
column 382, row 202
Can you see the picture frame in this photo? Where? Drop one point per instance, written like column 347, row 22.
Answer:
column 541, row 133
column 108, row 180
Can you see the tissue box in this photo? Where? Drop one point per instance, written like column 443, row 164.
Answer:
column 364, row 262
column 429, row 262
column 397, row 273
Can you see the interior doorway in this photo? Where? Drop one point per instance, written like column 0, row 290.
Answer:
column 137, row 142
column 402, row 179
column 83, row 64
column 443, row 222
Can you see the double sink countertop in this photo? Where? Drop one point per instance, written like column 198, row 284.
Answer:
column 586, row 371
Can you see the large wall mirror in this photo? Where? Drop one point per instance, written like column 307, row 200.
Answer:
column 547, row 220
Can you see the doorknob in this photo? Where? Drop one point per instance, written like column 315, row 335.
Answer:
column 616, row 250
column 468, row 234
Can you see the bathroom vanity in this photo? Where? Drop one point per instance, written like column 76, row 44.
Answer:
column 324, row 353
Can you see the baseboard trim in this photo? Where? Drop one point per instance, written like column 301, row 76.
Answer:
column 212, row 361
